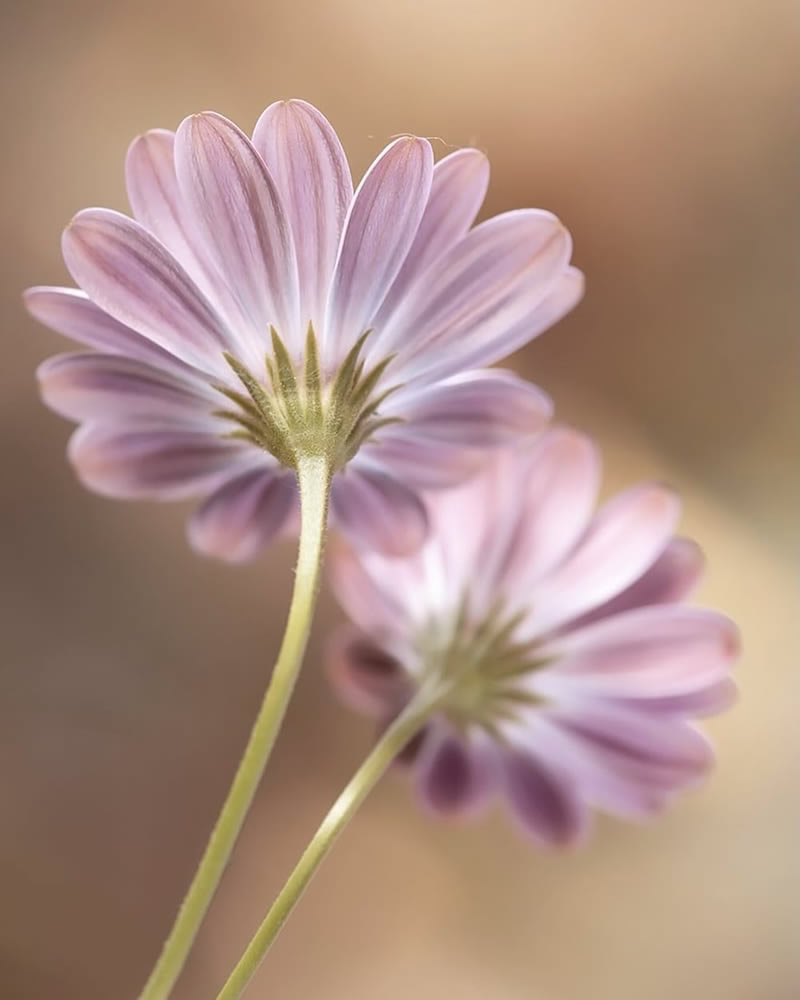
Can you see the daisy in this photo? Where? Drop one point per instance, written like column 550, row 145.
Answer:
column 256, row 313
column 568, row 668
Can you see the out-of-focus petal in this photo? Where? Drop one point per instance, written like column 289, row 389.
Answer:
column 305, row 159
column 378, row 512
column 161, row 464
column 363, row 589
column 623, row 540
column 109, row 387
column 380, row 228
column 242, row 516
column 545, row 802
column 457, row 191
column 132, row 276
column 456, row 775
column 365, row 676
column 239, row 212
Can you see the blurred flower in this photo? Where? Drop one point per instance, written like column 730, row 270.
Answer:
column 256, row 310
column 570, row 666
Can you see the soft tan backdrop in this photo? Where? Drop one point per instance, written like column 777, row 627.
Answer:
column 664, row 133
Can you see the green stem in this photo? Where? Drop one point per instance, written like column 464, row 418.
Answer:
column 396, row 737
column 313, row 477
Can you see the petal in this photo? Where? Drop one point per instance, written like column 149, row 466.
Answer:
column 670, row 579
column 305, row 159
column 243, row 515
column 71, row 312
column 364, row 675
column 108, row 387
column 159, row 464
column 623, row 540
column 490, row 280
column 131, row 276
column 242, row 221
column 455, row 777
column 709, row 700
column 458, row 187
column 479, row 409
column 364, row 587
column 378, row 512
column 380, row 228
column 544, row 801
column 419, row 462
column 651, row 652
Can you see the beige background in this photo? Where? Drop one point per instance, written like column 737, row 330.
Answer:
column 664, row 133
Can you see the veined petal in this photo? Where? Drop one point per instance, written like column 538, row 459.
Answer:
column 241, row 218
column 305, row 159
column 109, row 387
column 458, row 188
column 490, row 279
column 380, row 228
column 477, row 409
column 665, row 649
column 162, row 464
column 243, row 515
column 543, row 800
column 419, row 462
column 132, row 276
column 363, row 589
column 378, row 512
column 623, row 540
column 71, row 312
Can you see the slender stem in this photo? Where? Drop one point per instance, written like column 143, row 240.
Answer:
column 396, row 737
column 314, row 484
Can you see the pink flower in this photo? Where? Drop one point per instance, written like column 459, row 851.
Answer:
column 241, row 251
column 571, row 666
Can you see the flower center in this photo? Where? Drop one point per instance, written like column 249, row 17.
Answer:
column 298, row 414
column 483, row 666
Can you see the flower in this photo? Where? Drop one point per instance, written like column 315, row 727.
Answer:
column 255, row 310
column 569, row 666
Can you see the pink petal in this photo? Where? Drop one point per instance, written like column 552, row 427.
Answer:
column 419, row 462
column 455, row 777
column 71, row 312
column 150, row 463
column 378, row 512
column 709, row 700
column 243, row 515
column 457, row 191
column 109, row 386
column 131, row 276
column 543, row 800
column 305, row 158
column 652, row 652
column 670, row 579
column 364, row 675
column 490, row 280
column 380, row 228
column 239, row 213
column 362, row 587
column 623, row 540
column 476, row 409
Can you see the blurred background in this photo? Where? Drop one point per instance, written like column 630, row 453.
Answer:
column 664, row 134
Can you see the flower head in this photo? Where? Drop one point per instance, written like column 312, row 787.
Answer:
column 256, row 309
column 569, row 668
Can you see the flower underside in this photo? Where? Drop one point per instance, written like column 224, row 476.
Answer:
column 303, row 415
column 480, row 667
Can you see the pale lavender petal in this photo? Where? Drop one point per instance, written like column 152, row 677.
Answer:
column 544, row 801
column 305, row 159
column 624, row 539
column 671, row 578
column 109, row 387
column 71, row 312
column 455, row 777
column 243, row 515
column 363, row 589
column 490, row 280
column 457, row 191
column 709, row 700
column 657, row 651
column 132, row 276
column 477, row 409
column 419, row 462
column 378, row 512
column 380, row 228
column 162, row 464
column 241, row 218
column 364, row 675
